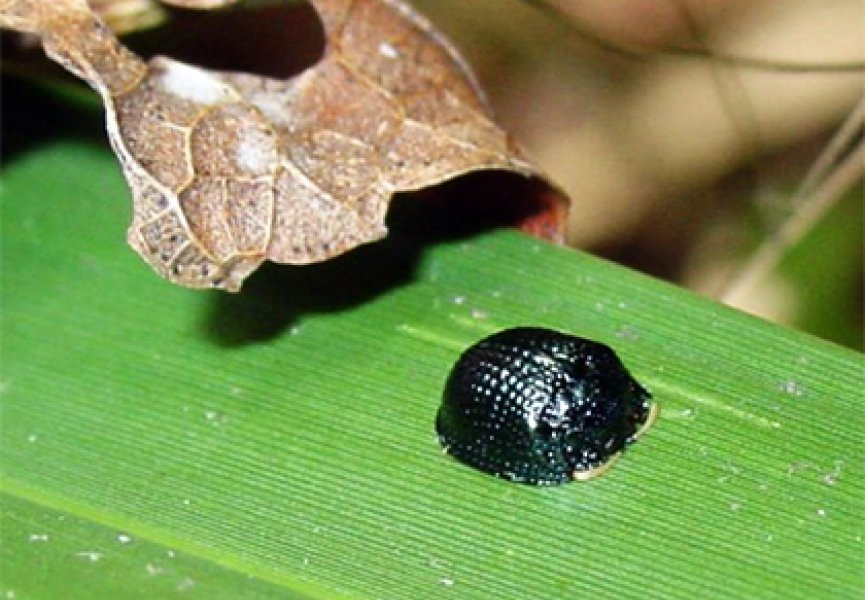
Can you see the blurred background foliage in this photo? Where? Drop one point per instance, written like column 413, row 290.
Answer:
column 683, row 165
column 681, row 156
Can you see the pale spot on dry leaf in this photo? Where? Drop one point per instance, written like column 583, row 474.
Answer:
column 200, row 4
column 194, row 84
column 230, row 169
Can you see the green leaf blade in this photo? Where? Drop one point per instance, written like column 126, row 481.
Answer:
column 282, row 440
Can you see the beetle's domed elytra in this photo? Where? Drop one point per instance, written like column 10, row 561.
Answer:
column 537, row 406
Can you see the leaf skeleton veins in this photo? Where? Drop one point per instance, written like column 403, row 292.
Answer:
column 229, row 169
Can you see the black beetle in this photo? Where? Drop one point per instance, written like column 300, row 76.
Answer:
column 541, row 407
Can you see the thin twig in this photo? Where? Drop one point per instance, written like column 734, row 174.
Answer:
column 841, row 140
column 768, row 255
column 771, row 64
column 731, row 92
column 733, row 60
column 807, row 214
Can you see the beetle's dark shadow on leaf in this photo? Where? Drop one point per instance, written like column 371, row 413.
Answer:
column 278, row 296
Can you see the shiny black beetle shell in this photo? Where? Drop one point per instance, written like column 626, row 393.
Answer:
column 541, row 407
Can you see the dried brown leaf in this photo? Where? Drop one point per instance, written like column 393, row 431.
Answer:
column 230, row 169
